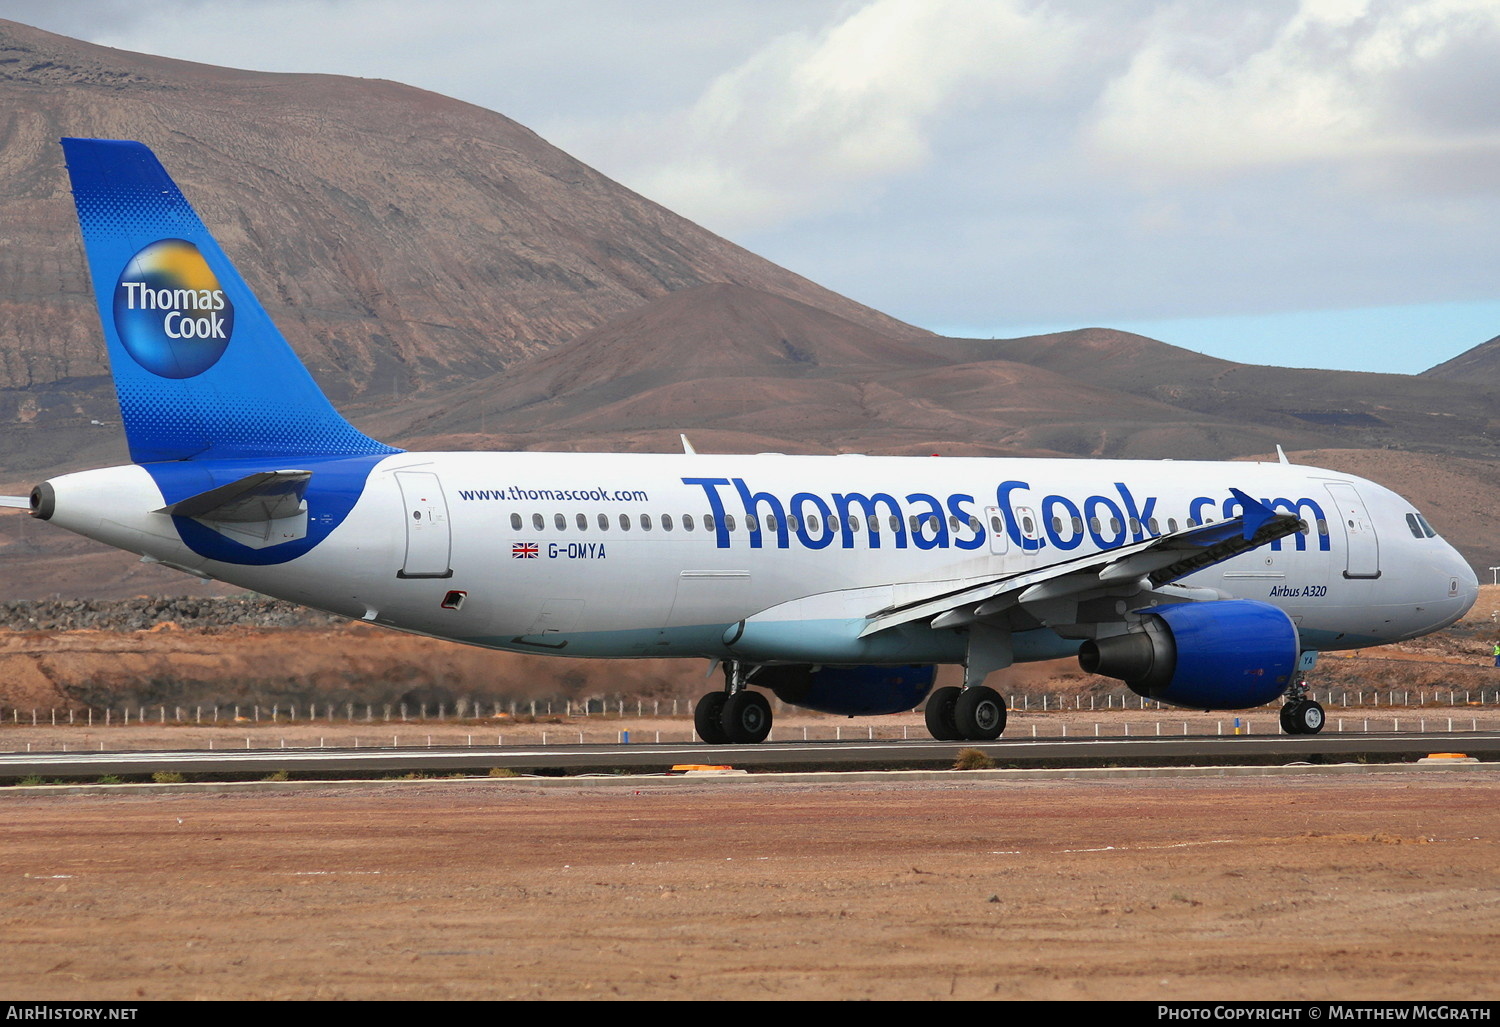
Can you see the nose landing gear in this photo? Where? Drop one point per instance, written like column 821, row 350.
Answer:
column 1299, row 714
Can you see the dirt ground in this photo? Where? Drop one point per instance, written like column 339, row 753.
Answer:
column 1382, row 886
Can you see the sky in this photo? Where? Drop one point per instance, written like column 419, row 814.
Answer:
column 1310, row 183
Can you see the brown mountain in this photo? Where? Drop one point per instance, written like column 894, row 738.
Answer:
column 1297, row 407
column 402, row 240
column 455, row 282
column 1480, row 364
column 744, row 370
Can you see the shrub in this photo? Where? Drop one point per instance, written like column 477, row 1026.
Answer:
column 973, row 759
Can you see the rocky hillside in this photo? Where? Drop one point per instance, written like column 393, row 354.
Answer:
column 456, row 282
column 402, row 240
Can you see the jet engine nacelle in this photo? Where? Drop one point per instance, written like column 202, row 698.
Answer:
column 1228, row 654
column 848, row 691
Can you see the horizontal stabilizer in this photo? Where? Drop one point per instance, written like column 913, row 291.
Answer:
column 265, row 496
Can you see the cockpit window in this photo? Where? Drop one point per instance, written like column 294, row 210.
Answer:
column 1419, row 526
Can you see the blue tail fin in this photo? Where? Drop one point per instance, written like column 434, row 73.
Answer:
column 199, row 369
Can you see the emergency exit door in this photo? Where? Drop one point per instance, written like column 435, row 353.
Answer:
column 1362, row 550
column 429, row 544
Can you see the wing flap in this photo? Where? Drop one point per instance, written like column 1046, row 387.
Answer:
column 1138, row 567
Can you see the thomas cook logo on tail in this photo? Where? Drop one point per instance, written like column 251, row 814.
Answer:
column 170, row 311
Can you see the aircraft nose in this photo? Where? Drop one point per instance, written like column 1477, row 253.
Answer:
column 1460, row 589
column 1463, row 583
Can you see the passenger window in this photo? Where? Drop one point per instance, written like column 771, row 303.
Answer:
column 1078, row 525
column 1094, row 525
column 687, row 522
column 812, row 523
column 624, row 522
column 645, row 522
column 708, row 522
column 560, row 521
column 537, row 522
column 1171, row 524
column 666, row 522
column 583, row 522
column 515, row 521
column 604, row 522
column 729, row 522
column 895, row 523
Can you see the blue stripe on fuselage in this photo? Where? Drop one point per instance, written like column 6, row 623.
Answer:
column 336, row 485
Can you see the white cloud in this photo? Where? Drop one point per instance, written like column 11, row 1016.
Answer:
column 823, row 118
column 971, row 161
column 1343, row 81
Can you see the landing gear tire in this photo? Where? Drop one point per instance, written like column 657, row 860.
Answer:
column 708, row 718
column 745, row 718
column 1302, row 717
column 940, row 714
column 979, row 714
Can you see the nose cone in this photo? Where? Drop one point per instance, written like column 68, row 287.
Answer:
column 1459, row 590
column 1464, row 585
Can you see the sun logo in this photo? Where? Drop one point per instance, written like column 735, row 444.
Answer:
column 170, row 311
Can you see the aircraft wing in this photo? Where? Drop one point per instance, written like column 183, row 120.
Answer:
column 16, row 502
column 1129, row 569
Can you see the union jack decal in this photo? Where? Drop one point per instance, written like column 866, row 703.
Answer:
column 523, row 550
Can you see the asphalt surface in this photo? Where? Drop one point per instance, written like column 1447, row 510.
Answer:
column 1188, row 750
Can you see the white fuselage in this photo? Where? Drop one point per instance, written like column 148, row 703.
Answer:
column 655, row 555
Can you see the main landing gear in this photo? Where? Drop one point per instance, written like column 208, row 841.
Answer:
column 975, row 714
column 736, row 715
column 1299, row 714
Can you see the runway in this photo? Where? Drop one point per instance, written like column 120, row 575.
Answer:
column 1188, row 750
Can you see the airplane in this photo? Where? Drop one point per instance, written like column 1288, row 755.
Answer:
column 838, row 583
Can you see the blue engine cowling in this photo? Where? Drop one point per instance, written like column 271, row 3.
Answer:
column 1229, row 654
column 848, row 691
